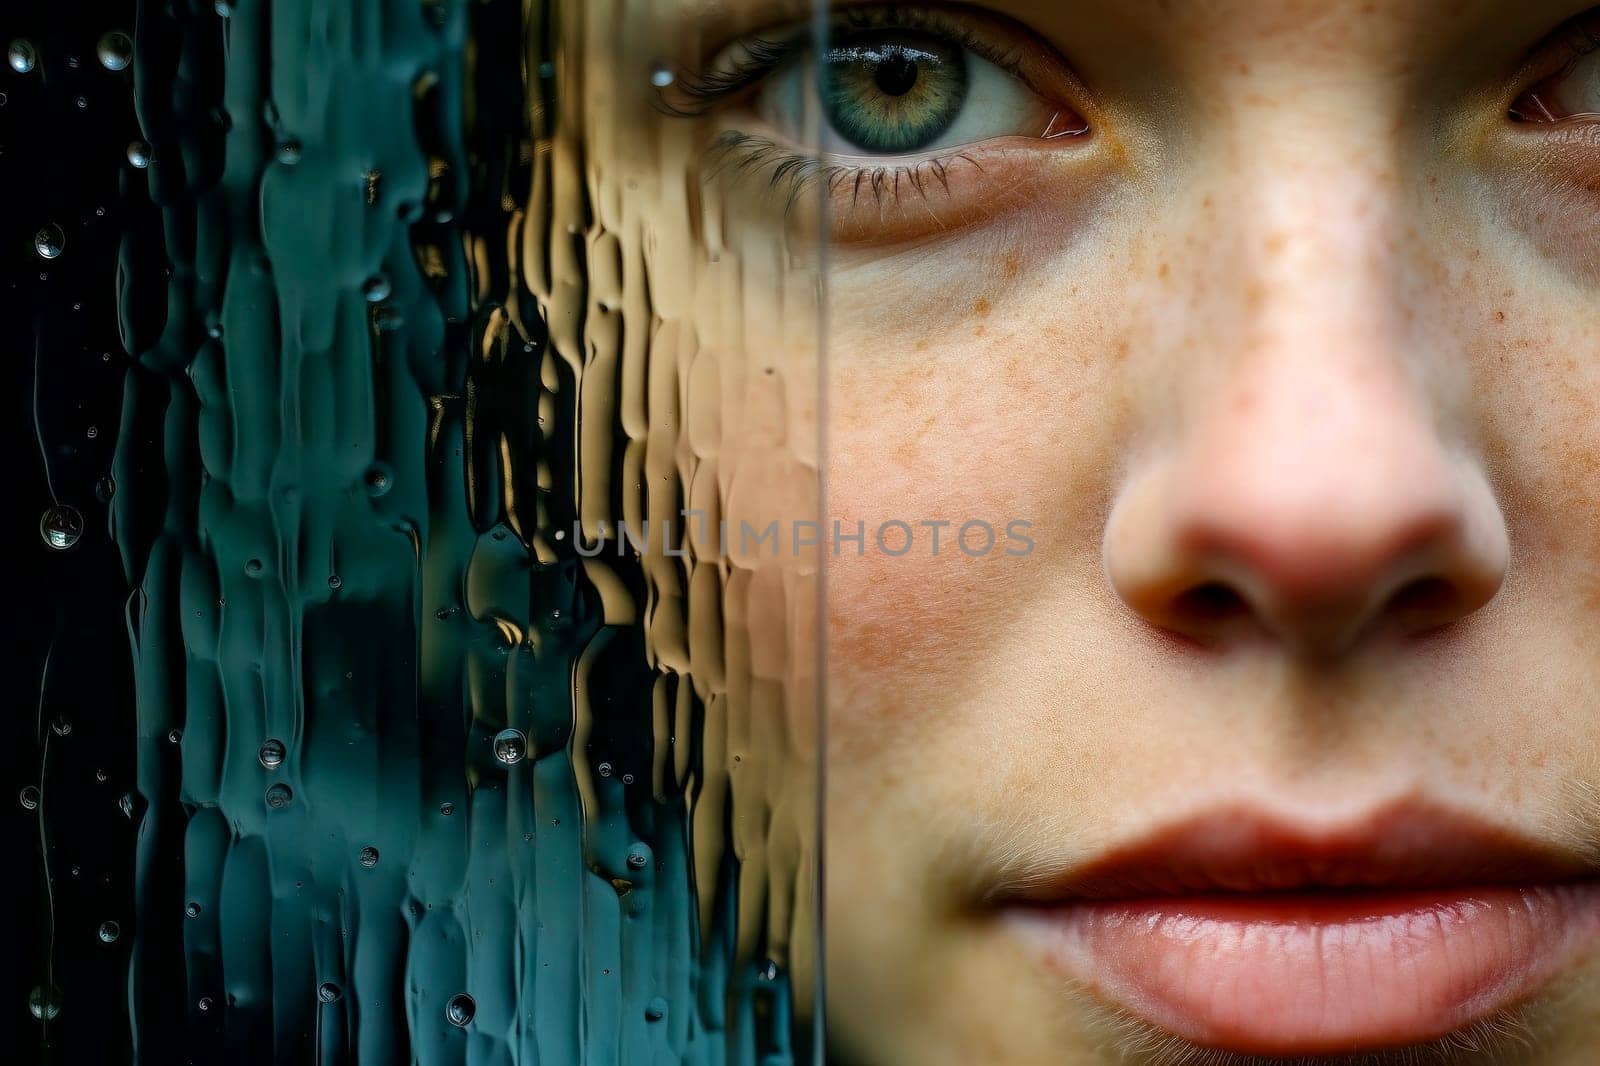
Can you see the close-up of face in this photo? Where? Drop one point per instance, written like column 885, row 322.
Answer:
column 761, row 532
column 1270, row 332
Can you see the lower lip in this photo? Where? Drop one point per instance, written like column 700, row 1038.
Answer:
column 1309, row 975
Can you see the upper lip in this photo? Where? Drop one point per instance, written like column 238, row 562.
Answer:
column 1247, row 850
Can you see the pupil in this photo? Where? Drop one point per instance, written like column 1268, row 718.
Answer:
column 897, row 74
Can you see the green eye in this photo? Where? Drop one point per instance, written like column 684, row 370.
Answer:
column 893, row 93
column 898, row 92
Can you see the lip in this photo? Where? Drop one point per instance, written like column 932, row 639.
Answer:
column 1254, row 932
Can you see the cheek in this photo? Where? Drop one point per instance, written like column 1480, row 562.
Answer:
column 995, row 416
column 1540, row 387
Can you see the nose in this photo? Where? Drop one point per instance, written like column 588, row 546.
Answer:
column 1308, row 494
column 1274, row 528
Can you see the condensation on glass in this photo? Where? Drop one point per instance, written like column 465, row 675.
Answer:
column 464, row 724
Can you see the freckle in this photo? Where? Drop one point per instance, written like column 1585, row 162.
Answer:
column 980, row 331
column 1010, row 268
column 1244, row 69
column 1277, row 243
column 981, row 308
column 1120, row 352
column 922, row 345
column 1166, row 268
column 1499, row 316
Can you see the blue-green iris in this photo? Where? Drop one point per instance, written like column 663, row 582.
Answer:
column 893, row 94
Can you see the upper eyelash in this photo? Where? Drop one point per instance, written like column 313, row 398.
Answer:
column 703, row 90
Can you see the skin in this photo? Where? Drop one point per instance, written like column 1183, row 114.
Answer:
column 1292, row 365
column 1308, row 319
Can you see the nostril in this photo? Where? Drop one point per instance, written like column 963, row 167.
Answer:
column 1425, row 603
column 1209, row 603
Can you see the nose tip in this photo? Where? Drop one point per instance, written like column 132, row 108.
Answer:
column 1315, row 566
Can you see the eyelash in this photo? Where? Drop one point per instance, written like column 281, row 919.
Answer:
column 746, row 152
column 695, row 94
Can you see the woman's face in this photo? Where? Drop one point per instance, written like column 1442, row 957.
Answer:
column 1279, row 734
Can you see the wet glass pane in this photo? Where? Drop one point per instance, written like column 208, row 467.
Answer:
column 415, row 403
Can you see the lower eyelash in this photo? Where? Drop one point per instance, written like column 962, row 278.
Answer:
column 796, row 174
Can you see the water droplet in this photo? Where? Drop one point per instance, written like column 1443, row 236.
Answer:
column 100, row 775
column 335, row 581
column 61, row 727
column 447, row 808
column 510, row 746
column 253, row 567
column 224, row 8
column 213, row 325
column 125, row 804
column 638, row 857
column 115, row 50
column 175, row 736
column 93, row 432
column 81, row 100
column 768, row 971
column 627, row 779
column 139, row 154
column 662, row 76
column 605, row 769
column 329, row 992
column 271, row 753
column 369, row 856
column 22, row 56
column 44, row 1003
column 204, row 1004
column 289, row 153
column 376, row 289
column 61, row 526
column 104, row 489
column 460, row 1010
column 379, row 481
column 49, row 242
column 279, row 796
column 29, row 797
column 193, row 909
column 656, row 1009
column 109, row 931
